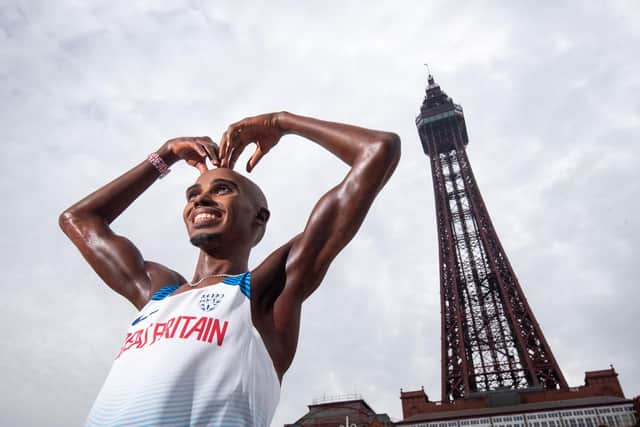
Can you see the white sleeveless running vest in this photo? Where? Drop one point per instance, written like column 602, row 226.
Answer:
column 191, row 359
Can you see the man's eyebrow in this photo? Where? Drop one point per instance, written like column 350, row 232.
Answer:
column 226, row 181
column 193, row 187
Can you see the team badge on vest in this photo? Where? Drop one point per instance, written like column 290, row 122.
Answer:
column 210, row 301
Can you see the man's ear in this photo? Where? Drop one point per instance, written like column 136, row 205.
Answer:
column 263, row 215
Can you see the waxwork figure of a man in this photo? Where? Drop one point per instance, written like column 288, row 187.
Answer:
column 213, row 350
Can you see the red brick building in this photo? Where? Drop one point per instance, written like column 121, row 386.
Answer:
column 347, row 411
column 599, row 402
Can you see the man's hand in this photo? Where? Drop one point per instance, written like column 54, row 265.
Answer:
column 194, row 150
column 263, row 130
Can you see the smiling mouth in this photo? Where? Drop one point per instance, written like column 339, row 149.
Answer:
column 204, row 218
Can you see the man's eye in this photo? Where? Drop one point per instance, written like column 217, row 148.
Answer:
column 191, row 195
column 222, row 189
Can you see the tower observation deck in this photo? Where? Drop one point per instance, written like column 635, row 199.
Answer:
column 490, row 337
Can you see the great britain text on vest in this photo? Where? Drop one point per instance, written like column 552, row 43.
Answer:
column 203, row 329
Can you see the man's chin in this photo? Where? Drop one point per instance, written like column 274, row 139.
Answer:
column 203, row 239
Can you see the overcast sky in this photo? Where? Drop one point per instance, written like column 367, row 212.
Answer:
column 551, row 99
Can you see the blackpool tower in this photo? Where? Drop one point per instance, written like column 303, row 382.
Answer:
column 497, row 367
column 490, row 337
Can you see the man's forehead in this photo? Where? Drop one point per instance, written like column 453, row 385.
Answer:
column 242, row 182
column 220, row 173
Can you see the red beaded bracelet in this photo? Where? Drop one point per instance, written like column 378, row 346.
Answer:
column 157, row 162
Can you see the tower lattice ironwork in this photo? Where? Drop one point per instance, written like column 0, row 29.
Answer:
column 490, row 337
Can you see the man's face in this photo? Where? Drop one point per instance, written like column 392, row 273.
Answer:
column 219, row 209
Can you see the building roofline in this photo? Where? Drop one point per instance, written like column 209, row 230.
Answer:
column 522, row 408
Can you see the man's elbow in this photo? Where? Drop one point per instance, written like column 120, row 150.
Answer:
column 388, row 149
column 72, row 222
column 66, row 220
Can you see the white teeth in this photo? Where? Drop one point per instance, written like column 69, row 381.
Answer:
column 201, row 217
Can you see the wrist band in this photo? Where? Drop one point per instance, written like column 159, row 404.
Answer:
column 157, row 162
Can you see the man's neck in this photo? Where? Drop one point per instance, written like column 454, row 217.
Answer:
column 210, row 264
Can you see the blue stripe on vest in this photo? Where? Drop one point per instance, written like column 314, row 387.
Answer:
column 162, row 293
column 242, row 280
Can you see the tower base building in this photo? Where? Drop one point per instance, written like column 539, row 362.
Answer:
column 599, row 402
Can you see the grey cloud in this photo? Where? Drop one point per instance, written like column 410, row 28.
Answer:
column 549, row 99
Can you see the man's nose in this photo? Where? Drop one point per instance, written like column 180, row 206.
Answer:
column 204, row 199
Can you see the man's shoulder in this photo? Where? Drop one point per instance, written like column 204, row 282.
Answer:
column 161, row 276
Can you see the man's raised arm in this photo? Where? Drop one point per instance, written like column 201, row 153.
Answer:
column 372, row 155
column 337, row 216
column 290, row 274
column 116, row 259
